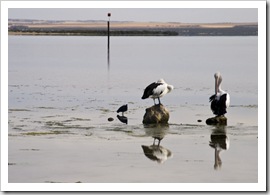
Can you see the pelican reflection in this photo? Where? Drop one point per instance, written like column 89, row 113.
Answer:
column 156, row 152
column 219, row 141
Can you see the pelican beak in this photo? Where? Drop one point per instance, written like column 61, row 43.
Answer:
column 216, row 85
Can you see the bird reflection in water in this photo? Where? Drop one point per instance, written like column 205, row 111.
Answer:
column 123, row 119
column 156, row 152
column 219, row 141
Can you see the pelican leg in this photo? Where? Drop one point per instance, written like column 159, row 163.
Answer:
column 154, row 141
column 154, row 101
column 159, row 100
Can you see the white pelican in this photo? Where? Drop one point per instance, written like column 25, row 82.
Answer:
column 157, row 90
column 220, row 101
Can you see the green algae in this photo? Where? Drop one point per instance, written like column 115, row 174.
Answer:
column 46, row 133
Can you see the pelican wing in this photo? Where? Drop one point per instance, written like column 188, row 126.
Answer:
column 218, row 105
column 212, row 98
column 223, row 105
column 149, row 90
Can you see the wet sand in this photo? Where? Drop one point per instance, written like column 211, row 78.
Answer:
column 112, row 152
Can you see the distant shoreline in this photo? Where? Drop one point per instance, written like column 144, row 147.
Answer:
column 99, row 28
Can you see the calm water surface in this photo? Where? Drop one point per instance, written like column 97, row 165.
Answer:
column 64, row 87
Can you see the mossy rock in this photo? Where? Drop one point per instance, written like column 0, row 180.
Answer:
column 156, row 114
column 217, row 120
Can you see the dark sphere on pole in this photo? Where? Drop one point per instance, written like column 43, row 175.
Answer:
column 109, row 14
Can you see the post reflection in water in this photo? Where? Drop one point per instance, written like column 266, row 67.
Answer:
column 219, row 141
column 108, row 58
column 156, row 152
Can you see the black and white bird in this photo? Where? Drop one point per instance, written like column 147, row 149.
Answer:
column 157, row 90
column 220, row 101
column 122, row 109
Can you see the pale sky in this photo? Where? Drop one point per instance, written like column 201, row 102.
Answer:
column 184, row 15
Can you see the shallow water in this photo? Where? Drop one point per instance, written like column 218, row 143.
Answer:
column 62, row 90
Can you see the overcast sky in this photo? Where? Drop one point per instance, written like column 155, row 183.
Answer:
column 185, row 15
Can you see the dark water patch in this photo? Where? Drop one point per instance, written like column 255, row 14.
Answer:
column 52, row 116
column 14, row 86
column 194, row 160
column 244, row 106
column 242, row 130
column 67, row 121
column 54, row 124
column 46, row 133
column 120, row 129
column 80, row 119
column 113, row 104
column 186, row 125
column 18, row 86
column 38, row 93
column 13, row 135
column 38, row 122
column 131, row 130
column 17, row 128
column 60, row 182
column 188, row 129
column 188, row 89
column 63, row 125
column 44, row 107
column 88, row 134
column 33, row 149
column 201, row 105
column 104, row 110
column 18, row 110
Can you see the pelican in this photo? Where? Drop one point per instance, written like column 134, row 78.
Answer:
column 157, row 90
column 220, row 101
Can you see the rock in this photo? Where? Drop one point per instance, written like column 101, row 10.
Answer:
column 110, row 119
column 217, row 120
column 156, row 114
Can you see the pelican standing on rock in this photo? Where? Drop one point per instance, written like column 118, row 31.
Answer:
column 157, row 90
column 220, row 101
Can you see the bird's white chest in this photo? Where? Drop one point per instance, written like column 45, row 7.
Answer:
column 159, row 91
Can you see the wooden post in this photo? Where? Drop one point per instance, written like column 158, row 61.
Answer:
column 109, row 15
column 108, row 44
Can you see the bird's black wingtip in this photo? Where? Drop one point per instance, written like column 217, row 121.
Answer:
column 144, row 97
column 212, row 98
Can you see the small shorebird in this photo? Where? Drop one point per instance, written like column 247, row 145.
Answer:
column 157, row 90
column 122, row 109
column 220, row 101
